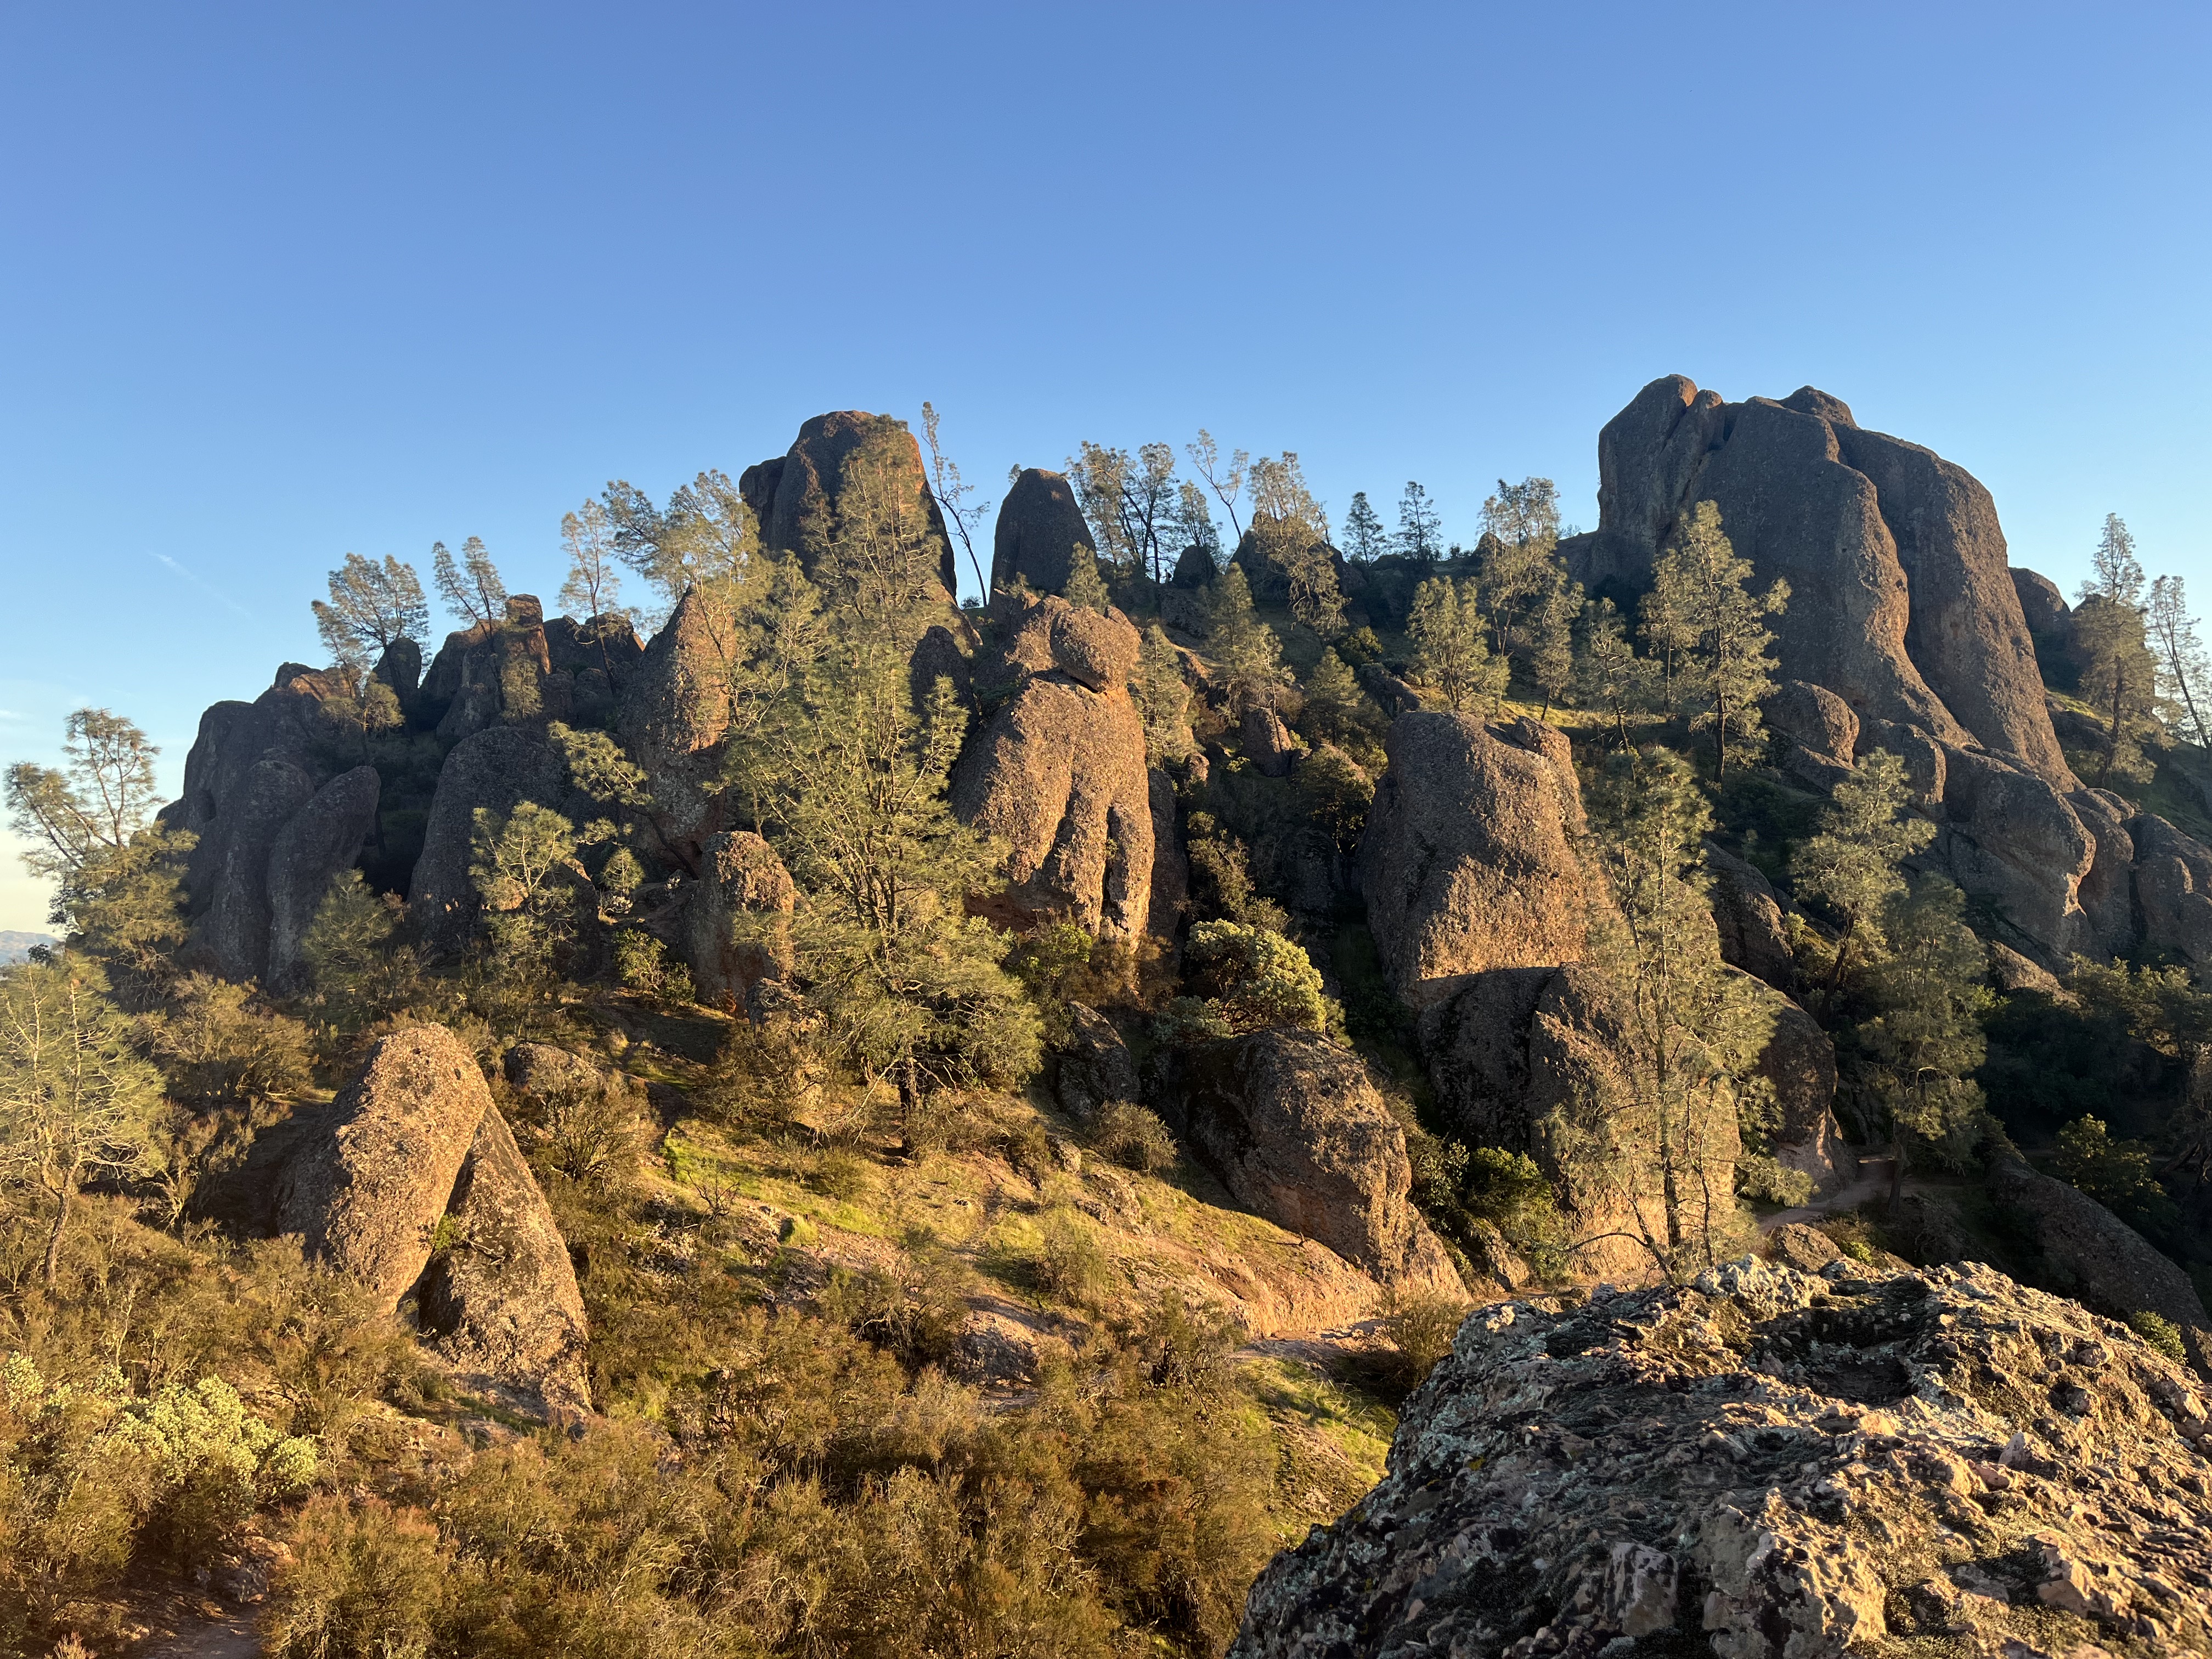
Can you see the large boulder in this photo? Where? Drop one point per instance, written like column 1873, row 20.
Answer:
column 1293, row 1128
column 1057, row 772
column 1095, row 1065
column 737, row 920
column 1772, row 1464
column 2089, row 1252
column 501, row 1300
column 1748, row 913
column 366, row 1196
column 799, row 496
column 1901, row 602
column 1040, row 528
column 317, row 843
column 497, row 768
column 1799, row 1064
column 2172, row 888
column 1467, row 861
column 2012, row 842
column 1813, row 717
column 672, row 716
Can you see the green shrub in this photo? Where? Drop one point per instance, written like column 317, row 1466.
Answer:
column 363, row 1583
column 2118, row 1174
column 1420, row 1330
column 1255, row 979
column 2161, row 1334
column 1068, row 1261
column 1133, row 1138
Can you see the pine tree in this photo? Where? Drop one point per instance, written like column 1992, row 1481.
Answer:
column 1852, row 862
column 705, row 534
column 1449, row 654
column 1609, row 676
column 1551, row 643
column 1673, row 1062
column 1699, row 606
column 1338, row 710
column 75, row 1098
column 1290, row 534
column 1086, row 586
column 472, row 591
column 1912, row 1061
column 371, row 608
column 1420, row 529
column 1518, row 563
column 1163, row 698
column 592, row 588
column 2184, row 668
column 1245, row 648
column 2120, row 675
column 1364, row 539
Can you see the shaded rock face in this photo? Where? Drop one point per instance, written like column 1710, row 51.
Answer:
column 2172, row 884
column 796, row 496
column 2093, row 1255
column 1095, row 1067
column 1194, row 568
column 1467, row 862
column 1057, row 773
column 2049, row 618
column 672, row 717
column 1901, row 601
column 502, row 1299
column 317, row 843
column 1748, row 913
column 1267, row 742
column 1800, row 1061
column 1040, row 526
column 1813, row 717
column 737, row 920
column 1170, row 892
column 2011, row 840
column 497, row 768
column 367, row 1197
column 1773, row 1465
column 1294, row 1128
column 253, row 769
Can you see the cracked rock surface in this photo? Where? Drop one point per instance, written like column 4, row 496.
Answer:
column 1775, row 1465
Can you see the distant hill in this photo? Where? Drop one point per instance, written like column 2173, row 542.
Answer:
column 16, row 946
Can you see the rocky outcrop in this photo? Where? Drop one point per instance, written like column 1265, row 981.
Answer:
column 1170, row 866
column 1266, row 742
column 798, row 496
column 1293, row 1128
column 2172, row 886
column 317, row 843
column 366, row 1197
column 1467, row 860
column 1773, row 1465
column 1749, row 913
column 1040, row 527
column 496, row 769
column 1813, row 717
column 673, row 715
column 252, row 767
column 2011, row 840
column 1057, row 773
column 2043, row 606
column 500, row 1298
column 1094, row 1067
column 2089, row 1252
column 737, row 920
column 1901, row 602
column 1799, row 1064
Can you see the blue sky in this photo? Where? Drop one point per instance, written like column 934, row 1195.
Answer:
column 280, row 283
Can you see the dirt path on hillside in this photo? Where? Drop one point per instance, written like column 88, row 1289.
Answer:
column 1872, row 1182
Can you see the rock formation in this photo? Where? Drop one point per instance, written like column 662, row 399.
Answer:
column 671, row 719
column 1040, row 526
column 496, row 769
column 1057, row 773
column 1780, row 1464
column 1094, row 1067
column 1294, row 1129
column 1748, row 913
column 269, row 837
column 412, row 1142
column 798, row 495
column 737, row 920
column 1467, row 860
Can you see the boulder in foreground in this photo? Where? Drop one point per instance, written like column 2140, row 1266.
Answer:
column 1774, row 1465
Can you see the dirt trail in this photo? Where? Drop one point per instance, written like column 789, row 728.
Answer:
column 1871, row 1181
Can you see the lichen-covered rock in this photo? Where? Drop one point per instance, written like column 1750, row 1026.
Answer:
column 496, row 769
column 1095, row 1066
column 1294, row 1128
column 737, row 920
column 2090, row 1253
column 1773, row 1465
column 1057, row 773
column 502, row 1298
column 1467, row 860
column 366, row 1197
column 317, row 843
column 1040, row 528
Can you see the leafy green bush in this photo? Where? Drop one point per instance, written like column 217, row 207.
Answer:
column 2117, row 1174
column 1133, row 1137
column 2160, row 1333
column 1255, row 979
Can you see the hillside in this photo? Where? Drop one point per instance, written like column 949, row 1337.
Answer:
column 801, row 1117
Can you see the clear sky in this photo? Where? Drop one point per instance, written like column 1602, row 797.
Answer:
column 280, row 283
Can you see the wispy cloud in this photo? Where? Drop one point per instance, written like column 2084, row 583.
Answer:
column 212, row 592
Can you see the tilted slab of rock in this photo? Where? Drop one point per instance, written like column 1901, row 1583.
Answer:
column 1294, row 1128
column 496, row 769
column 1467, row 860
column 737, row 920
column 366, row 1196
column 673, row 715
column 317, row 843
column 1774, row 1465
column 502, row 1297
column 1057, row 772
column 1040, row 527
